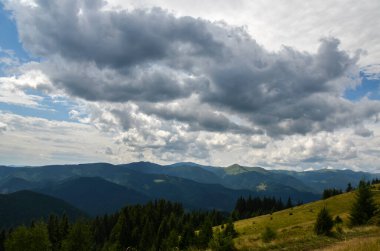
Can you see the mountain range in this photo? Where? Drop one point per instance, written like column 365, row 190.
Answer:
column 100, row 188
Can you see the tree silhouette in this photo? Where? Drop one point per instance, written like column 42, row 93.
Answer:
column 364, row 206
column 324, row 222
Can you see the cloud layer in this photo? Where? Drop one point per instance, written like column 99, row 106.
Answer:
column 176, row 88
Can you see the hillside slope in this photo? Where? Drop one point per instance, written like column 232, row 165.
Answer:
column 24, row 206
column 294, row 227
column 94, row 195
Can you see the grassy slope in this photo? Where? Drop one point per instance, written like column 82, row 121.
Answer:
column 294, row 227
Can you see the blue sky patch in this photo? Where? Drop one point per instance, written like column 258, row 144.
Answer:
column 369, row 88
column 9, row 39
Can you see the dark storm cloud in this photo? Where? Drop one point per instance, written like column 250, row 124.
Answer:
column 81, row 30
column 201, row 118
column 151, row 56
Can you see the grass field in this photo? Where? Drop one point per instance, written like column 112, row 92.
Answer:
column 294, row 228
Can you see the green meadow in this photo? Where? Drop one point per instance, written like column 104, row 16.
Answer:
column 294, row 228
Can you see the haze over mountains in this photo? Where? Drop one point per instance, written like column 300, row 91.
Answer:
column 100, row 188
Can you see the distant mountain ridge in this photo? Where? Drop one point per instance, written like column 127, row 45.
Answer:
column 197, row 186
column 94, row 195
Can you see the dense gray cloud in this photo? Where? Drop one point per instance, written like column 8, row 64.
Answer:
column 363, row 132
column 201, row 118
column 153, row 59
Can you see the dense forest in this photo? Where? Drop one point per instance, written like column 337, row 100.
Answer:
column 255, row 206
column 158, row 225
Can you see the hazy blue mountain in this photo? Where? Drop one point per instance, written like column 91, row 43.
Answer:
column 238, row 169
column 192, row 194
column 256, row 179
column 250, row 177
column 24, row 206
column 183, row 170
column 329, row 178
column 95, row 195
column 13, row 184
column 219, row 171
column 196, row 186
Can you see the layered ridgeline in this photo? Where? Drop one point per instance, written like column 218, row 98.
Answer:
column 164, row 225
column 23, row 207
column 104, row 188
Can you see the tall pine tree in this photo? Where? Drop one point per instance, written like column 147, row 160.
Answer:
column 324, row 222
column 364, row 206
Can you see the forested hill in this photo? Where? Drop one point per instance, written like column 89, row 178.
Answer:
column 24, row 206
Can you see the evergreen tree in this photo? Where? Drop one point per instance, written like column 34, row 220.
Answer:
column 364, row 206
column 147, row 236
column 64, row 226
column 349, row 188
column 205, row 233
column 79, row 238
column 171, row 242
column 327, row 193
column 120, row 232
column 3, row 236
column 324, row 222
column 29, row 239
column 187, row 236
column 230, row 229
column 54, row 232
column 289, row 204
column 221, row 242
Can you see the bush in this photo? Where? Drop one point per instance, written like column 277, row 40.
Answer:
column 221, row 242
column 338, row 220
column 324, row 223
column 268, row 235
column 375, row 220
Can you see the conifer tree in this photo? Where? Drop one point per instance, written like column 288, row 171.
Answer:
column 3, row 236
column 187, row 236
column 221, row 242
column 349, row 187
column 35, row 238
column 205, row 233
column 147, row 236
column 119, row 234
column 54, row 232
column 64, row 226
column 324, row 222
column 79, row 238
column 364, row 206
column 289, row 204
column 230, row 229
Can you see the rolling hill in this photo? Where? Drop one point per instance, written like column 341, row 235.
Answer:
column 294, row 227
column 24, row 206
column 94, row 195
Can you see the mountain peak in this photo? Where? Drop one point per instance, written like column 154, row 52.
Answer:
column 238, row 169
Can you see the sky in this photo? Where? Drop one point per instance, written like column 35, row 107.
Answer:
column 292, row 85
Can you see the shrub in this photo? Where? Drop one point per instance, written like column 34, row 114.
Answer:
column 268, row 235
column 338, row 220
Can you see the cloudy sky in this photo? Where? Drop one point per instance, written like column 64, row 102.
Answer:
column 292, row 85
